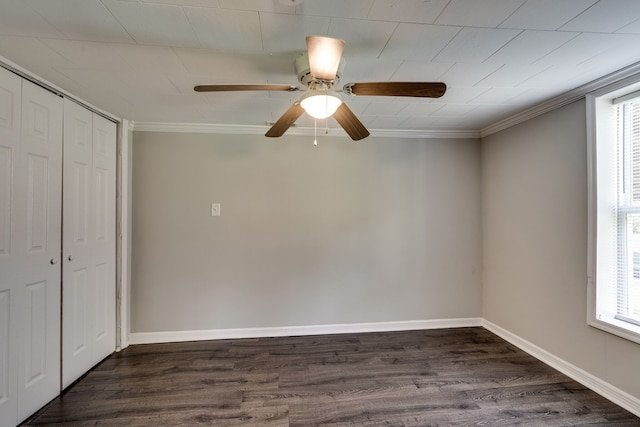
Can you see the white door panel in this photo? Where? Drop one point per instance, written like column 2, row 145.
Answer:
column 78, row 224
column 104, row 169
column 7, row 408
column 35, row 355
column 10, row 342
column 37, row 219
column 88, row 312
column 6, row 162
column 37, row 202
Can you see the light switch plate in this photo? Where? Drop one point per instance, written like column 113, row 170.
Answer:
column 215, row 209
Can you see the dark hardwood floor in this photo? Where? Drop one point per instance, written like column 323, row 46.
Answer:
column 445, row 377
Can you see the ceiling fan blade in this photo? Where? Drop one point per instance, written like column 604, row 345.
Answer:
column 285, row 121
column 324, row 56
column 227, row 88
column 417, row 89
column 350, row 123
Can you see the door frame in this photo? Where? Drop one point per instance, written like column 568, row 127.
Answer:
column 123, row 232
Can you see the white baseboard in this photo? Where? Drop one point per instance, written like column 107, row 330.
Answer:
column 617, row 396
column 219, row 334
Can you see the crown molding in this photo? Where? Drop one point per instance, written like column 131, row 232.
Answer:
column 199, row 128
column 428, row 134
column 561, row 100
column 260, row 130
column 528, row 114
column 566, row 98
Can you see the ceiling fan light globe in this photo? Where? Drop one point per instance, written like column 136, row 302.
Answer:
column 320, row 106
column 324, row 56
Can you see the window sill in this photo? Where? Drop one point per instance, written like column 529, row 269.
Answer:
column 617, row 327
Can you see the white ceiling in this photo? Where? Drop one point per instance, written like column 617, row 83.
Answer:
column 139, row 59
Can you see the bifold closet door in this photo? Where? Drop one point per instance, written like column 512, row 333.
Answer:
column 88, row 274
column 38, row 201
column 10, row 266
column 78, row 271
column 104, row 173
column 30, row 239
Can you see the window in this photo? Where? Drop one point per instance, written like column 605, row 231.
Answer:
column 627, row 114
column 613, row 118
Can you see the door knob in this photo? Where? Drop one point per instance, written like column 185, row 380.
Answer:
column 53, row 261
column 70, row 258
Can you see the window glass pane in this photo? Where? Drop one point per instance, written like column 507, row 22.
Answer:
column 628, row 292
column 633, row 139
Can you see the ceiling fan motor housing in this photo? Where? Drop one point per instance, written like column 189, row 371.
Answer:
column 303, row 72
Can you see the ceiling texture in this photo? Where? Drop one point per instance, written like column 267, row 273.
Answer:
column 140, row 59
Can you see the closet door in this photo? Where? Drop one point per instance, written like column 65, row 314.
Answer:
column 36, row 227
column 78, row 269
column 89, row 301
column 30, row 238
column 10, row 259
column 104, row 187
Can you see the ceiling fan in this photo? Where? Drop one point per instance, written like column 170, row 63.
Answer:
column 320, row 70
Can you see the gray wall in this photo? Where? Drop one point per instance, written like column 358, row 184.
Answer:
column 379, row 230
column 534, row 197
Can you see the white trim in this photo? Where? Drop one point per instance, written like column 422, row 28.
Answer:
column 550, row 105
column 123, row 238
column 601, row 199
column 608, row 391
column 617, row 87
column 427, row 134
column 561, row 100
column 592, row 209
column 199, row 128
column 603, row 388
column 621, row 328
column 220, row 334
column 260, row 130
column 528, row 114
column 626, row 97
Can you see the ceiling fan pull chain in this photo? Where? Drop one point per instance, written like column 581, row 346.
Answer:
column 315, row 131
column 326, row 119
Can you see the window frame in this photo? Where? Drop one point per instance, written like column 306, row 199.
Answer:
column 601, row 143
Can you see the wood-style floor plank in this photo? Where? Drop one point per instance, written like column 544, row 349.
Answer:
column 450, row 377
